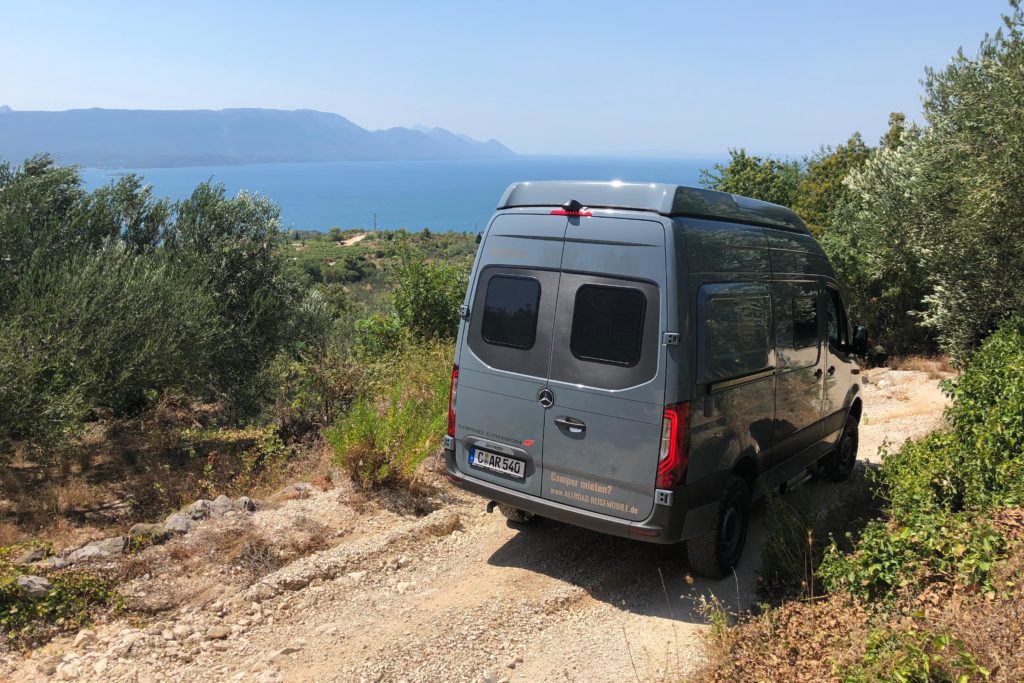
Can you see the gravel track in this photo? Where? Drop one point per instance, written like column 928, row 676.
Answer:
column 456, row 595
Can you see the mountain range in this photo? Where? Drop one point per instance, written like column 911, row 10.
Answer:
column 138, row 138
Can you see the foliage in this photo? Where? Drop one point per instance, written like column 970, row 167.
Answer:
column 891, row 557
column 770, row 180
column 428, row 296
column 913, row 656
column 941, row 487
column 75, row 600
column 933, row 227
column 822, row 186
column 110, row 298
column 399, row 421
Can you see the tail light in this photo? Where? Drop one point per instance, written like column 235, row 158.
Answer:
column 451, row 400
column 672, row 459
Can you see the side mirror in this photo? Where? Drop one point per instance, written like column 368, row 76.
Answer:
column 860, row 340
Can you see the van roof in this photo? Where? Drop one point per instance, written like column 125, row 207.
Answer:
column 665, row 199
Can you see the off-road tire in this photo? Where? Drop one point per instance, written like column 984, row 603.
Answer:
column 516, row 515
column 715, row 553
column 838, row 465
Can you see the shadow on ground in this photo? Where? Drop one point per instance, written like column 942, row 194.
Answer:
column 655, row 580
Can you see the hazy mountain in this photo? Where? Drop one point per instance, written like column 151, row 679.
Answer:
column 148, row 138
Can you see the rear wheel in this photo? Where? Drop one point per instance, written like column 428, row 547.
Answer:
column 516, row 515
column 838, row 465
column 716, row 552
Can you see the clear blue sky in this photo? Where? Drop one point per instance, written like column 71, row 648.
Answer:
column 684, row 77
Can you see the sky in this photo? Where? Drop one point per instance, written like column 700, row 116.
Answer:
column 665, row 78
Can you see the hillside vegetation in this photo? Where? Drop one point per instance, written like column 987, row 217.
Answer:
column 155, row 351
column 925, row 232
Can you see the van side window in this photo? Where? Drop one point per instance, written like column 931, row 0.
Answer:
column 736, row 334
column 805, row 321
column 608, row 324
column 510, row 312
column 838, row 330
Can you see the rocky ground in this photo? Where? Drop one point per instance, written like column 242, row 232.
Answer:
column 327, row 585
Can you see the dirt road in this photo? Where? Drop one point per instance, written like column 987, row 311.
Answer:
column 455, row 595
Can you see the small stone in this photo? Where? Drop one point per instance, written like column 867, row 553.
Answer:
column 199, row 509
column 182, row 631
column 30, row 556
column 35, row 587
column 108, row 547
column 178, row 523
column 220, row 506
column 53, row 563
column 404, row 586
column 47, row 666
column 271, row 676
column 218, row 632
column 143, row 529
column 404, row 561
column 357, row 576
column 85, row 637
column 245, row 504
column 100, row 665
column 302, row 489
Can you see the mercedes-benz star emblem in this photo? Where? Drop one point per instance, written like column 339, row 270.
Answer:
column 546, row 397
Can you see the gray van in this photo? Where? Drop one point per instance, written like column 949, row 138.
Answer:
column 645, row 360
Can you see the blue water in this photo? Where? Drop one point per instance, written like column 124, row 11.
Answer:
column 440, row 195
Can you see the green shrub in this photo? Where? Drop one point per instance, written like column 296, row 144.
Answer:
column 75, row 600
column 978, row 460
column 387, row 433
column 891, row 556
column 940, row 487
column 109, row 299
column 914, row 656
column 429, row 295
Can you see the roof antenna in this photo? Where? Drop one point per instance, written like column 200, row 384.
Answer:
column 572, row 206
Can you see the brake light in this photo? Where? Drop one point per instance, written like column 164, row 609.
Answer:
column 672, row 458
column 451, row 400
column 563, row 212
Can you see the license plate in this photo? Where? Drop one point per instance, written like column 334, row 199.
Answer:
column 496, row 462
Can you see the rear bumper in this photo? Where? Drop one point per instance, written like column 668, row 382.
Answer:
column 691, row 514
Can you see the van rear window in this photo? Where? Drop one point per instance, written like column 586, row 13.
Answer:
column 608, row 324
column 510, row 312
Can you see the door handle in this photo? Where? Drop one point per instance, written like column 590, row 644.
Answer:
column 818, row 373
column 572, row 424
column 832, row 370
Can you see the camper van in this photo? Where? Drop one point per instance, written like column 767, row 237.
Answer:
column 646, row 360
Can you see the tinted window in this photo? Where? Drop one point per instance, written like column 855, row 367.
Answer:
column 510, row 312
column 736, row 336
column 805, row 321
column 608, row 324
column 837, row 329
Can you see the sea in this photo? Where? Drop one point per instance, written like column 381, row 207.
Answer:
column 440, row 195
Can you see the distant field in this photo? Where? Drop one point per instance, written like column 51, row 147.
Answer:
column 364, row 258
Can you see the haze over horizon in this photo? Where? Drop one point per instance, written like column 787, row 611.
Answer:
column 601, row 78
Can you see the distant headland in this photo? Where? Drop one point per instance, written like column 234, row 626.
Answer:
column 138, row 138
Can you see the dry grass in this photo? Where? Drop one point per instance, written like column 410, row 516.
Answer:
column 813, row 640
column 126, row 471
column 937, row 367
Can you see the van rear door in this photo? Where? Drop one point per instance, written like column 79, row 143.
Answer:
column 503, row 364
column 603, row 432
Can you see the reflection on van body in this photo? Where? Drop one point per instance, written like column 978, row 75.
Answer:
column 646, row 360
